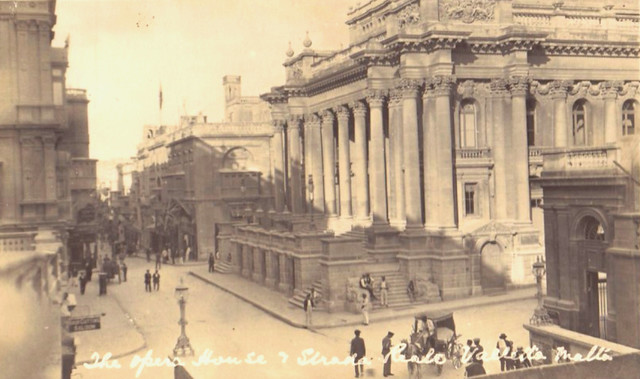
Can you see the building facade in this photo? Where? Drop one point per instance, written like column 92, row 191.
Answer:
column 411, row 152
column 195, row 178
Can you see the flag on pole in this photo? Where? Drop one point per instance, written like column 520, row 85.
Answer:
column 160, row 96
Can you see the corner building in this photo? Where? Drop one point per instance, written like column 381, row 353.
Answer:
column 411, row 153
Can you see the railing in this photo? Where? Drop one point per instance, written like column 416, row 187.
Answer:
column 583, row 158
column 473, row 153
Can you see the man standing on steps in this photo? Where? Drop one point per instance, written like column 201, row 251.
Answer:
column 384, row 293
column 147, row 281
column 386, row 356
column 308, row 308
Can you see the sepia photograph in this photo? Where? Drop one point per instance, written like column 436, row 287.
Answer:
column 194, row 189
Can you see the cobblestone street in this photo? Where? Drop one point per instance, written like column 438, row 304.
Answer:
column 229, row 327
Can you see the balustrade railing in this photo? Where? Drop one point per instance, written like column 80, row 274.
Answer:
column 583, row 158
column 473, row 152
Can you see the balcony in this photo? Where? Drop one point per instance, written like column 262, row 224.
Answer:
column 473, row 153
column 580, row 160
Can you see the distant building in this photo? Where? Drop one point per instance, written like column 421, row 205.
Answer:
column 188, row 177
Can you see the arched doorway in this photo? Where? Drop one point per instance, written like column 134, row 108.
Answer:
column 491, row 267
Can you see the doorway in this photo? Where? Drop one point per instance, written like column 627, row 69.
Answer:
column 597, row 304
column 491, row 267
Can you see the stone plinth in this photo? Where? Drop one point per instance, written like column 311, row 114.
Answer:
column 342, row 258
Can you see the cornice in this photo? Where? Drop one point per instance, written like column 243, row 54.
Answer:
column 592, row 48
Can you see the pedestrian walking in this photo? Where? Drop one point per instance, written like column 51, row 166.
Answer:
column 124, row 271
column 156, row 280
column 477, row 358
column 384, row 292
column 364, row 307
column 308, row 309
column 211, row 262
column 147, row 281
column 148, row 253
column 502, row 351
column 83, row 282
column 411, row 291
column 386, row 354
column 158, row 261
column 358, row 352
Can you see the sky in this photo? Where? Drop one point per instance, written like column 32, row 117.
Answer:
column 122, row 51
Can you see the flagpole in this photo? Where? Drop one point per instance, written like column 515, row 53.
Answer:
column 160, row 104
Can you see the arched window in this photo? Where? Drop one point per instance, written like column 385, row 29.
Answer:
column 593, row 230
column 468, row 128
column 629, row 117
column 531, row 122
column 579, row 123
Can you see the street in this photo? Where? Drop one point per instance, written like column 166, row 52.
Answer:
column 229, row 335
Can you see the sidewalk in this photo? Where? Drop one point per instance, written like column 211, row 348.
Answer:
column 276, row 304
column 152, row 261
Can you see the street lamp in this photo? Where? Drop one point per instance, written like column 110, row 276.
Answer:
column 311, row 189
column 540, row 315
column 183, row 346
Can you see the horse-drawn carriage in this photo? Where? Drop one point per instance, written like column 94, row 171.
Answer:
column 434, row 332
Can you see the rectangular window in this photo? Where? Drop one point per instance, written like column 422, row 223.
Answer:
column 470, row 203
column 531, row 131
column 468, row 130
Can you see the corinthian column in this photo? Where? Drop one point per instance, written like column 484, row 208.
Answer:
column 344, row 160
column 410, row 92
column 315, row 160
column 444, row 190
column 519, row 146
column 397, row 152
column 278, row 163
column 329, row 162
column 430, row 154
column 376, row 158
column 361, row 179
column 501, row 140
column 610, row 93
column 293, row 129
column 559, row 95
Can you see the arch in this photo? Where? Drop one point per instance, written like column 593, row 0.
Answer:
column 492, row 270
column 630, row 117
column 588, row 220
column 237, row 158
column 468, row 123
column 580, row 128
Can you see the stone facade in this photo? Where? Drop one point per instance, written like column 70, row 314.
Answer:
column 416, row 145
column 46, row 175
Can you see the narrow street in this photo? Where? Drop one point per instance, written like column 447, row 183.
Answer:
column 231, row 328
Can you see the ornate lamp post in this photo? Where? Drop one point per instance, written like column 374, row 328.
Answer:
column 183, row 346
column 310, row 187
column 540, row 315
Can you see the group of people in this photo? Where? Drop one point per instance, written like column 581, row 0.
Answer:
column 509, row 359
column 168, row 254
column 358, row 351
column 366, row 282
column 147, row 281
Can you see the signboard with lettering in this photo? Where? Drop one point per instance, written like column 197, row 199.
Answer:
column 81, row 323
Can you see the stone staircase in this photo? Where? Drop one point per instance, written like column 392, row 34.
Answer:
column 397, row 284
column 223, row 267
column 298, row 297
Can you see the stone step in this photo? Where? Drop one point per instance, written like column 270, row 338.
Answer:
column 223, row 267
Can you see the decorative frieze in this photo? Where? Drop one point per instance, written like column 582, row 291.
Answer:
column 441, row 84
column 498, row 87
column 467, row 11
column 409, row 15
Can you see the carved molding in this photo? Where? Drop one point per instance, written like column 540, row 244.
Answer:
column 467, row 11
column 410, row 87
column 312, row 119
column 278, row 125
column 592, row 50
column 441, row 84
column 327, row 116
column 395, row 96
column 409, row 15
column 294, row 121
column 519, row 85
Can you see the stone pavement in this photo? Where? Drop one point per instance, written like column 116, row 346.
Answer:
column 276, row 304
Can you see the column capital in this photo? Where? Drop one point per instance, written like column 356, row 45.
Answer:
column 327, row 116
column 312, row 119
column 342, row 112
column 610, row 89
column 519, row 85
column 395, row 96
column 441, row 84
column 278, row 125
column 376, row 98
column 410, row 88
column 359, row 108
column 498, row 86
column 559, row 88
column 294, row 121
